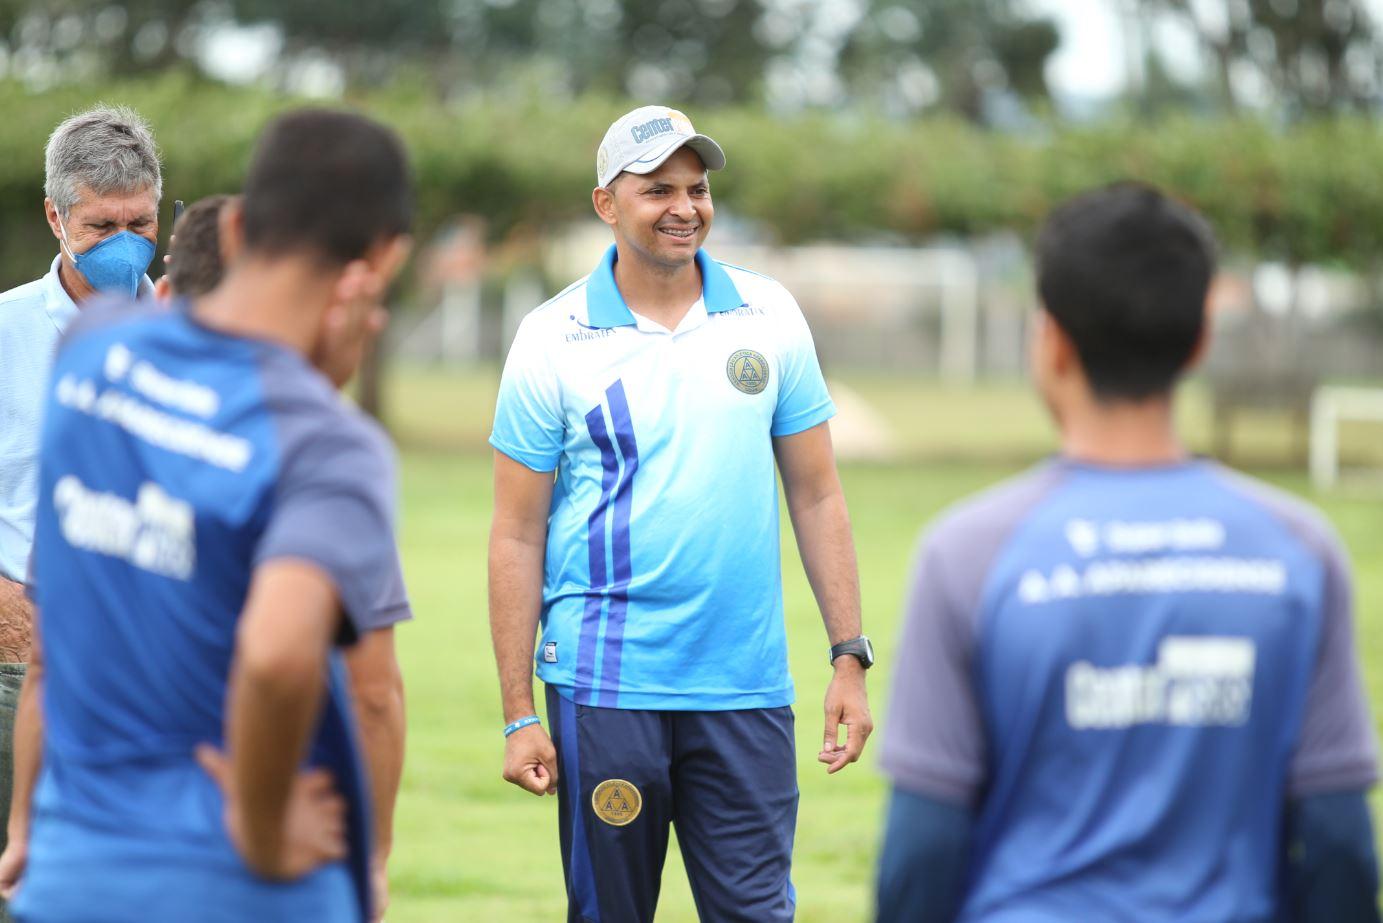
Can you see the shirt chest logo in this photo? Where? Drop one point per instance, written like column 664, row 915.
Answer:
column 748, row 371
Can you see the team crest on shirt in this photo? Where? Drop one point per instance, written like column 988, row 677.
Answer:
column 748, row 371
column 616, row 802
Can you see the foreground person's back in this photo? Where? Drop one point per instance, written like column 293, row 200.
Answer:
column 157, row 517
column 1159, row 656
column 1127, row 685
column 213, row 520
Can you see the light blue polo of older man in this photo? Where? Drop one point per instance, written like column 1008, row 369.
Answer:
column 103, row 185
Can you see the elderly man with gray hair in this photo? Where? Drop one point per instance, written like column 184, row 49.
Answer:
column 102, row 186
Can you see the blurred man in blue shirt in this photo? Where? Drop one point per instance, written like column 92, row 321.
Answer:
column 212, row 519
column 1126, row 688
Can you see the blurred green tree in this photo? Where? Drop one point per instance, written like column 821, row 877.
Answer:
column 952, row 53
column 1309, row 57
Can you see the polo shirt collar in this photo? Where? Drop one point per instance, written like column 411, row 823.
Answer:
column 60, row 306
column 605, row 306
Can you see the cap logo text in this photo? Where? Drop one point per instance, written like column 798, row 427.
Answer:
column 651, row 129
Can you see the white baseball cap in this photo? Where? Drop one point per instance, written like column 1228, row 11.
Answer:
column 640, row 141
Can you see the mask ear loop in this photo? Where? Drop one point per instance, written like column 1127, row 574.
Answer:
column 65, row 242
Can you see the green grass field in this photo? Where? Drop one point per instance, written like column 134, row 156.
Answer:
column 470, row 847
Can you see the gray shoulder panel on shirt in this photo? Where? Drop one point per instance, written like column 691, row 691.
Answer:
column 1302, row 519
column 1337, row 749
column 348, row 526
column 933, row 739
column 969, row 536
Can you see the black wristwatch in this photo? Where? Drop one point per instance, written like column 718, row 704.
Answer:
column 859, row 648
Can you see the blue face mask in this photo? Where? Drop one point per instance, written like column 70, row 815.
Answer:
column 116, row 264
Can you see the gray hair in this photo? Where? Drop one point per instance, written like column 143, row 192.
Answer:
column 108, row 149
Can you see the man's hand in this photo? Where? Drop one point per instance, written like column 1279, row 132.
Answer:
column 314, row 825
column 847, row 703
column 530, row 760
column 12, row 862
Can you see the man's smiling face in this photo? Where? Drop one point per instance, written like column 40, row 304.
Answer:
column 664, row 216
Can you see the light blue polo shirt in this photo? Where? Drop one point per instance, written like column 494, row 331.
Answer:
column 662, row 586
column 32, row 318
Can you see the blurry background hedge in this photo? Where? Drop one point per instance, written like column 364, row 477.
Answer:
column 1309, row 191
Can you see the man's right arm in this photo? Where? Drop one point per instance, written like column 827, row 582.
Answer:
column 923, row 861
column 16, row 622
column 1331, row 870
column 283, row 822
column 28, row 757
column 518, row 543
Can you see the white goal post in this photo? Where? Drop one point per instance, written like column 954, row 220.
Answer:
column 1331, row 405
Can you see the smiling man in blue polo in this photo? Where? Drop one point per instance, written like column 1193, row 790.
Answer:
column 636, row 525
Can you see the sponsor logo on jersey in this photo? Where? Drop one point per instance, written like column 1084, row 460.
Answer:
column 155, row 533
column 1197, row 681
column 748, row 371
column 616, row 802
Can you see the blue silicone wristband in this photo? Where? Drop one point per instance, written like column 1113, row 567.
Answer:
column 521, row 724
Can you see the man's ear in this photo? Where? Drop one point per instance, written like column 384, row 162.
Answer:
column 163, row 289
column 1059, row 348
column 603, row 200
column 1202, row 347
column 230, row 229
column 50, row 211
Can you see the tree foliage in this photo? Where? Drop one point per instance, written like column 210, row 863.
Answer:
column 1312, row 56
column 968, row 49
column 1310, row 192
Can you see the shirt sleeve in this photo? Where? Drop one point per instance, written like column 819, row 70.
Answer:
column 1337, row 750
column 529, row 424
column 933, row 732
column 334, row 506
column 803, row 400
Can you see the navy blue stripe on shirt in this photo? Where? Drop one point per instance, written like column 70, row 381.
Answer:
column 595, row 537
column 623, row 567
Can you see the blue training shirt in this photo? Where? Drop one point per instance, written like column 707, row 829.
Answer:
column 175, row 460
column 1127, row 673
column 662, row 587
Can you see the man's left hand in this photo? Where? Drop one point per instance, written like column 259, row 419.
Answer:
column 847, row 703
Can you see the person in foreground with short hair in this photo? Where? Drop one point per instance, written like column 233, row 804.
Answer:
column 212, row 514
column 194, row 265
column 1127, row 687
column 102, row 184
column 195, row 268
column 660, row 389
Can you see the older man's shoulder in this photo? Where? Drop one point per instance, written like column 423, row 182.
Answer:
column 22, row 313
column 29, row 292
column 103, row 311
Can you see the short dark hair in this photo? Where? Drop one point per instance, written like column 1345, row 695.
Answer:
column 327, row 183
column 1124, row 271
column 195, row 267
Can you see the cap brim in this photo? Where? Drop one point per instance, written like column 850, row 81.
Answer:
column 710, row 153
